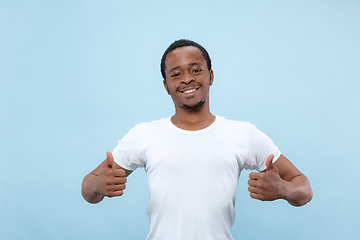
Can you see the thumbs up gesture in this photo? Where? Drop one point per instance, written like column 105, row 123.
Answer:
column 111, row 180
column 267, row 186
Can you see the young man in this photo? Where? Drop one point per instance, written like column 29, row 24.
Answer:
column 193, row 159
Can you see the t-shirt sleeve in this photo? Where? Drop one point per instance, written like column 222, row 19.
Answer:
column 260, row 147
column 127, row 153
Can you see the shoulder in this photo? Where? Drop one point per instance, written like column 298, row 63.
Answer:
column 235, row 124
column 145, row 131
column 150, row 126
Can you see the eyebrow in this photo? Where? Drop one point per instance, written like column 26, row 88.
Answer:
column 190, row 64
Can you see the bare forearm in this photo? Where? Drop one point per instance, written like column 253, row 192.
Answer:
column 299, row 191
column 87, row 190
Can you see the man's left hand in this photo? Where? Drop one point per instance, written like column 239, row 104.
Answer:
column 267, row 186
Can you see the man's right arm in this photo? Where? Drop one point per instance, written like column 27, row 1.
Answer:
column 108, row 179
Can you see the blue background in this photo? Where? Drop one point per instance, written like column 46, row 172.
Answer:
column 77, row 75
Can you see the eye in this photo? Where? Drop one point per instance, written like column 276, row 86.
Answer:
column 197, row 70
column 174, row 75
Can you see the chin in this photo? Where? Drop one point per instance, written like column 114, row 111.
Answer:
column 195, row 106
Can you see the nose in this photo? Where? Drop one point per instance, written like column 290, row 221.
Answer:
column 188, row 79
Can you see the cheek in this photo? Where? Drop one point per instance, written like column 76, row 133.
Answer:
column 166, row 87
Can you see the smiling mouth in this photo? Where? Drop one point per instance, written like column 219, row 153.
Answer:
column 189, row 89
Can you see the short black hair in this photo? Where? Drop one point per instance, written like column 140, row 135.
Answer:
column 183, row 43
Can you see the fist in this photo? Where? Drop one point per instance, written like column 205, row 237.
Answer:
column 266, row 186
column 111, row 180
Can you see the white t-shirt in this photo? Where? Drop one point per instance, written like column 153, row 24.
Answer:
column 193, row 175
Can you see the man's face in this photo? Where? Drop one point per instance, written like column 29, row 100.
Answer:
column 188, row 79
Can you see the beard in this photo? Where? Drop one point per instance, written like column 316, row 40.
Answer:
column 193, row 107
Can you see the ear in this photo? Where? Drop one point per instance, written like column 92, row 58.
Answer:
column 166, row 87
column 211, row 77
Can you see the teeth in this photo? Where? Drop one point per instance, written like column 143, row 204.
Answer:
column 189, row 91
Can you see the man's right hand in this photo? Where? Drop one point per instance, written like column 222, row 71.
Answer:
column 111, row 180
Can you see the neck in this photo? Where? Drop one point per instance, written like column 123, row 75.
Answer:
column 193, row 119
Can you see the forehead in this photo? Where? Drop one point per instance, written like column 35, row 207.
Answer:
column 184, row 56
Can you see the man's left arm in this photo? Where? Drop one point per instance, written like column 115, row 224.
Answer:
column 281, row 180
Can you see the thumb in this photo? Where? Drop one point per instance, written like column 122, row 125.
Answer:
column 269, row 164
column 110, row 159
